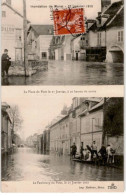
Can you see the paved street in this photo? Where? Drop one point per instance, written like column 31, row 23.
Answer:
column 25, row 164
column 73, row 73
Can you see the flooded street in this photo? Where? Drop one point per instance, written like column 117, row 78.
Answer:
column 25, row 164
column 73, row 73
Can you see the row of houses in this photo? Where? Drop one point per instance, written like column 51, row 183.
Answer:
column 8, row 137
column 102, row 41
column 41, row 142
column 86, row 120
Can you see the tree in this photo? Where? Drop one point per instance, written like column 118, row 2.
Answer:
column 16, row 119
column 113, row 121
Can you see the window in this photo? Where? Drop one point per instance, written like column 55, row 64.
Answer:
column 120, row 36
column 44, row 55
column 99, row 38
column 82, row 38
column 3, row 14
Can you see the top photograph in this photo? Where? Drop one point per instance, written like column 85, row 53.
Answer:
column 55, row 42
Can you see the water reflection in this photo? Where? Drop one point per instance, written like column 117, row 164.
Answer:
column 26, row 164
column 83, row 73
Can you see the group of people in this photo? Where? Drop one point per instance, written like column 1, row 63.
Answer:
column 6, row 63
column 104, row 155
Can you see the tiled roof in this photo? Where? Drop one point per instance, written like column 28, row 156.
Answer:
column 42, row 29
column 110, row 13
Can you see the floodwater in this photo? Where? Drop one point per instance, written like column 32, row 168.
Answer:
column 73, row 73
column 26, row 164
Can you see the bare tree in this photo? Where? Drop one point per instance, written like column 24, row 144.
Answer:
column 16, row 118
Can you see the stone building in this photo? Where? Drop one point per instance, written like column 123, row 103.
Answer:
column 78, row 47
column 6, row 129
column 91, row 122
column 105, row 35
column 59, row 136
column 60, row 47
column 115, row 33
column 39, row 38
column 12, row 31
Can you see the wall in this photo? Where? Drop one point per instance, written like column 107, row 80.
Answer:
column 75, row 128
column 117, row 143
column 112, row 40
column 45, row 41
column 93, row 122
column 59, row 137
column 76, row 47
column 92, row 39
column 9, row 135
column 11, row 21
column 67, row 47
column 4, row 133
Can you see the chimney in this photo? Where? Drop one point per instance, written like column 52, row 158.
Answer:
column 105, row 4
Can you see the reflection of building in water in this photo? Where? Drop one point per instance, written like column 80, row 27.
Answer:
column 12, row 31
column 39, row 38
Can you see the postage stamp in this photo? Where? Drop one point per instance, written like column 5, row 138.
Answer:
column 69, row 21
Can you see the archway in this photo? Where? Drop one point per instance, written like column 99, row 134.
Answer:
column 117, row 55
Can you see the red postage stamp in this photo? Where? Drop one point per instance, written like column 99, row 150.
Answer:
column 69, row 21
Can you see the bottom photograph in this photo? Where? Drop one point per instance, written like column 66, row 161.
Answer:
column 56, row 139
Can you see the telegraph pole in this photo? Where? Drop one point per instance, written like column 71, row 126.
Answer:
column 26, row 67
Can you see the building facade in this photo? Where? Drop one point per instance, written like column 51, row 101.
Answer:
column 6, row 129
column 60, row 47
column 105, row 35
column 12, row 31
column 92, row 123
column 39, row 38
column 59, row 136
column 78, row 47
column 115, row 36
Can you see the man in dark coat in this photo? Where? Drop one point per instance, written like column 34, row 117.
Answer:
column 74, row 150
column 5, row 62
column 103, row 153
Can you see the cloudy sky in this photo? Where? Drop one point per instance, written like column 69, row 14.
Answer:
column 36, row 111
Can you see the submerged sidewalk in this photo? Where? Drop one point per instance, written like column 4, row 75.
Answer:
column 18, row 70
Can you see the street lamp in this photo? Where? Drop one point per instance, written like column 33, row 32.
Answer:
column 92, row 128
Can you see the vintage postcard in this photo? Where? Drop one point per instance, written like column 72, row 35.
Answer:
column 57, row 142
column 44, row 41
column 62, row 84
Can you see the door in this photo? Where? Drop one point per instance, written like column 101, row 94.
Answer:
column 76, row 56
column 18, row 54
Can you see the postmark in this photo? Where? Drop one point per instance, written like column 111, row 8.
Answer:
column 69, row 21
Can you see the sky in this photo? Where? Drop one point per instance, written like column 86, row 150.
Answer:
column 36, row 111
column 42, row 15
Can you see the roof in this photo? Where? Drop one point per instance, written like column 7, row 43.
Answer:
column 42, row 29
column 14, row 10
column 111, row 13
column 99, row 104
column 58, row 120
